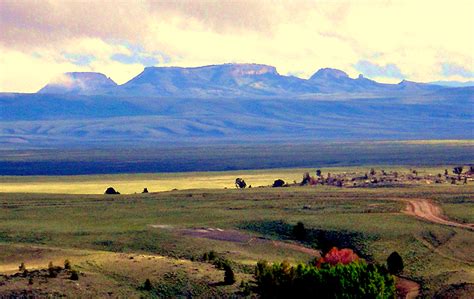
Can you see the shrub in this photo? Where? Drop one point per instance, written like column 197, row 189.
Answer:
column 354, row 280
column 306, row 179
column 147, row 286
column 278, row 183
column 245, row 288
column 229, row 277
column 111, row 190
column 74, row 275
column 240, row 183
column 145, row 190
column 299, row 231
column 52, row 270
column 212, row 255
column 67, row 265
column 338, row 256
column 457, row 170
column 22, row 267
column 395, row 263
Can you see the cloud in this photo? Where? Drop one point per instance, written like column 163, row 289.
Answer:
column 374, row 70
column 450, row 69
column 379, row 38
column 139, row 55
column 79, row 59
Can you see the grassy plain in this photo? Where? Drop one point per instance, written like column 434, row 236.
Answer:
column 131, row 237
column 156, row 182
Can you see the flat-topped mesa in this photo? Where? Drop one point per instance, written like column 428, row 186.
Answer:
column 233, row 69
column 79, row 82
column 211, row 80
column 251, row 69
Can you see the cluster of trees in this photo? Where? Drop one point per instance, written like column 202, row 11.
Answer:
column 53, row 270
column 241, row 184
column 111, row 190
column 340, row 274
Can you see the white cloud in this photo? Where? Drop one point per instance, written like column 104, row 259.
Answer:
column 297, row 37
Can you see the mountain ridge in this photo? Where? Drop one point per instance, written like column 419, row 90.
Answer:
column 229, row 80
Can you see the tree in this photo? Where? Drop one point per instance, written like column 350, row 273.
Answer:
column 22, row 267
column 147, row 286
column 278, row 183
column 353, row 280
column 457, row 170
column 240, row 183
column 306, row 179
column 74, row 275
column 338, row 256
column 395, row 263
column 145, row 190
column 229, row 277
column 299, row 231
column 111, row 190
column 52, row 270
column 67, row 265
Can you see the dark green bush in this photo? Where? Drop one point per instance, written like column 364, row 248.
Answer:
column 67, row 265
column 74, row 275
column 299, row 231
column 229, row 277
column 395, row 263
column 354, row 280
column 147, row 286
column 53, row 270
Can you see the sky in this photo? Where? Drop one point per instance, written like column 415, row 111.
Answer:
column 387, row 41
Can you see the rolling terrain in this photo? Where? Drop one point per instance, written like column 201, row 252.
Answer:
column 115, row 251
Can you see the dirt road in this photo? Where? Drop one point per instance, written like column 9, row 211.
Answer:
column 427, row 210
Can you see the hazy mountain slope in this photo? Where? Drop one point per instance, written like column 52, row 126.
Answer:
column 101, row 120
column 79, row 83
column 453, row 83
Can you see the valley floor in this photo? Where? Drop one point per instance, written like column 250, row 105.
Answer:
column 116, row 242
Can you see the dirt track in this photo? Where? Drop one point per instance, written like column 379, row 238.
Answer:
column 427, row 210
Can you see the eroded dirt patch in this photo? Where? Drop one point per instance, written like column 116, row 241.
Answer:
column 427, row 210
column 236, row 236
column 407, row 289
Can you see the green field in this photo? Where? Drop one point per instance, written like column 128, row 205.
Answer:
column 118, row 241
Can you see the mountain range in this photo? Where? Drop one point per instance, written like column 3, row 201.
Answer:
column 230, row 103
column 227, row 80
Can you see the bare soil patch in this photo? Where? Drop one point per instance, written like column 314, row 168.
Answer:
column 427, row 210
column 407, row 289
column 236, row 236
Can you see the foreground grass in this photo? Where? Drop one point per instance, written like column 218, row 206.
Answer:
column 88, row 228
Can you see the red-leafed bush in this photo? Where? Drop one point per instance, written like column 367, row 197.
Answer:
column 339, row 256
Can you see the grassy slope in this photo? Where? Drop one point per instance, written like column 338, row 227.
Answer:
column 434, row 254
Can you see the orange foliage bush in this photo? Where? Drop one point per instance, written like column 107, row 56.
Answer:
column 338, row 256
